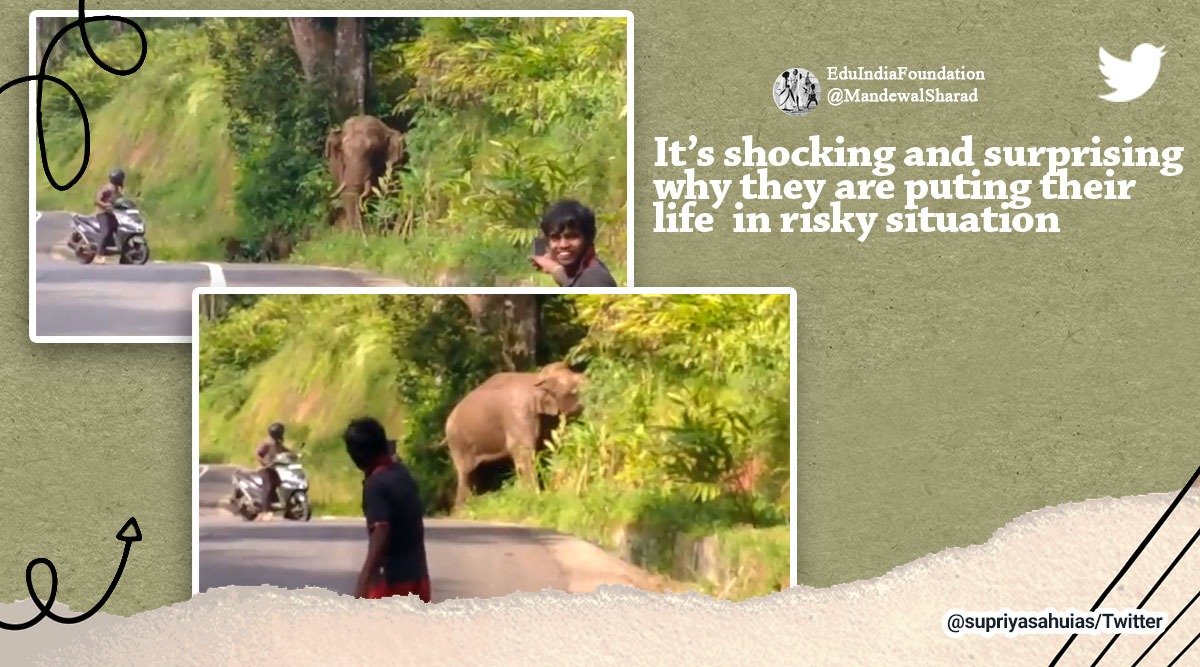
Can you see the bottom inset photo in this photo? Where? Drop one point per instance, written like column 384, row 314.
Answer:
column 458, row 443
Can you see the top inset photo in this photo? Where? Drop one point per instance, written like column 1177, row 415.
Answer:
column 428, row 149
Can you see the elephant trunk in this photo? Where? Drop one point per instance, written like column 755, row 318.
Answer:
column 350, row 204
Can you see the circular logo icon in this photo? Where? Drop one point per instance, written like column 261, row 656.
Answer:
column 797, row 91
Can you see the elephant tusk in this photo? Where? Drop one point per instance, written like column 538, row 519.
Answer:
column 338, row 191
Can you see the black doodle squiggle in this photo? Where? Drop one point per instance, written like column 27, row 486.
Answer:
column 128, row 534
column 42, row 77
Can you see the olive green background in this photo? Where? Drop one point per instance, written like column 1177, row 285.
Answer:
column 947, row 384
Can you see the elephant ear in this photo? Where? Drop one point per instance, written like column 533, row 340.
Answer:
column 544, row 400
column 333, row 153
column 333, row 143
column 395, row 147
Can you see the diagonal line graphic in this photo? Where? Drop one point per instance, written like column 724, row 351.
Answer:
column 1153, row 588
column 1167, row 629
column 1185, row 650
column 1134, row 557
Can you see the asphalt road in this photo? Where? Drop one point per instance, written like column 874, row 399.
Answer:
column 466, row 559
column 154, row 300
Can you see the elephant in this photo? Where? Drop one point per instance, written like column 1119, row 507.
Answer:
column 359, row 153
column 510, row 415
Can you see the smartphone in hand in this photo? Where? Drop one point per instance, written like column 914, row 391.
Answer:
column 539, row 246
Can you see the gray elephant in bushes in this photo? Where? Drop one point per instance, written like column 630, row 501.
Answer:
column 510, row 415
column 358, row 154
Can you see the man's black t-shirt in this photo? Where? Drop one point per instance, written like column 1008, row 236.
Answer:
column 595, row 274
column 390, row 496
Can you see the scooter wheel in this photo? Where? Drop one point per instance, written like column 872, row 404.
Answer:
column 247, row 513
column 136, row 251
column 300, row 510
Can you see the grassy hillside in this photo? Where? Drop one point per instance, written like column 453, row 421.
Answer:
column 339, row 367
column 165, row 125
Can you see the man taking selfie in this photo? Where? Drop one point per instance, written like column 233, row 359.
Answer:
column 569, row 234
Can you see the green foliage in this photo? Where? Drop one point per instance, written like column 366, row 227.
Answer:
column 277, row 123
column 688, row 392
column 440, row 356
column 311, row 361
column 425, row 257
column 245, row 338
column 644, row 524
column 165, row 125
column 530, row 71
column 758, row 561
column 94, row 86
column 509, row 115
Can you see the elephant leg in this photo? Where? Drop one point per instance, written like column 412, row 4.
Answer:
column 523, row 462
column 350, row 214
column 355, row 209
column 464, row 469
column 464, row 489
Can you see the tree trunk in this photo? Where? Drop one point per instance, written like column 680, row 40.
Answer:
column 513, row 318
column 314, row 47
column 213, row 306
column 333, row 54
column 47, row 27
column 351, row 62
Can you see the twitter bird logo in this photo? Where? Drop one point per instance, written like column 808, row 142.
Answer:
column 1130, row 79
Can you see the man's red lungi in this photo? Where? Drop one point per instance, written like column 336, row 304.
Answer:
column 385, row 590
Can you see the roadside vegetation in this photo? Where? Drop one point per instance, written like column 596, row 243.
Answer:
column 222, row 131
column 685, row 435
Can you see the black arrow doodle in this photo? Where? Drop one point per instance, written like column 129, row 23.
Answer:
column 128, row 534
column 41, row 77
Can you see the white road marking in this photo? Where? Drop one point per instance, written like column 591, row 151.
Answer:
column 216, row 275
column 203, row 469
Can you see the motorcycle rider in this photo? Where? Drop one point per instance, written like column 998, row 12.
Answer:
column 265, row 452
column 111, row 191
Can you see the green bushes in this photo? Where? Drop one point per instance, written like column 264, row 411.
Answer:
column 508, row 115
column 687, row 393
column 277, row 125
column 165, row 125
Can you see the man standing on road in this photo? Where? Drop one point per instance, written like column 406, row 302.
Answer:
column 265, row 452
column 104, row 202
column 395, row 562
